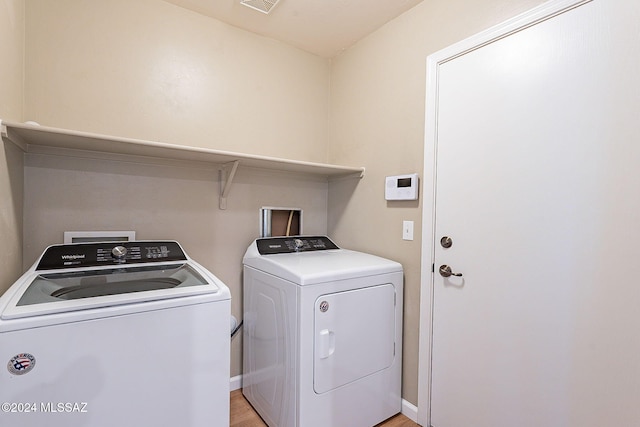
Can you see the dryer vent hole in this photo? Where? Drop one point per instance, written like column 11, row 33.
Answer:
column 281, row 222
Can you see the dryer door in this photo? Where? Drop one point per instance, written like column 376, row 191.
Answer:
column 354, row 335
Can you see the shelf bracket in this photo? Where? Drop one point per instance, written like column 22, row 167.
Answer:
column 226, row 179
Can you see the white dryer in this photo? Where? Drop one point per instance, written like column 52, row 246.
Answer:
column 323, row 334
column 115, row 334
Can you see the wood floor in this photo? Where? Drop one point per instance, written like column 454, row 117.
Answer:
column 243, row 415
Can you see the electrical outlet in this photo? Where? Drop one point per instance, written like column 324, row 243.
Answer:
column 407, row 230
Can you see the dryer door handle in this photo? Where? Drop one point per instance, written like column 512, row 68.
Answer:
column 326, row 343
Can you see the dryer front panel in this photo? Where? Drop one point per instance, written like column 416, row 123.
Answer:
column 354, row 335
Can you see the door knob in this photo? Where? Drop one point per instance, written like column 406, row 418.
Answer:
column 445, row 271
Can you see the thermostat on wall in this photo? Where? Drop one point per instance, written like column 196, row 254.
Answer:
column 401, row 187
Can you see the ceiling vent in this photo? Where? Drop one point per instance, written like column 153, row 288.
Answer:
column 263, row 6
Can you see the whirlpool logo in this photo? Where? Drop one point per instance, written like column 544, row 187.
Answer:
column 72, row 257
column 21, row 364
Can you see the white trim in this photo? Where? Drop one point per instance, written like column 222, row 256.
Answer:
column 409, row 410
column 511, row 26
column 235, row 383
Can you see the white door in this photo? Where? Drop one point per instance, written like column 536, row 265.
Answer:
column 538, row 188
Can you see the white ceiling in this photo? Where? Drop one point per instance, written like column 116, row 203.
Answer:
column 322, row 27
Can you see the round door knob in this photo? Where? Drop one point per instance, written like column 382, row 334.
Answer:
column 445, row 271
column 119, row 252
column 446, row 242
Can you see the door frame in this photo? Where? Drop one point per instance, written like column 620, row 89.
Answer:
column 434, row 61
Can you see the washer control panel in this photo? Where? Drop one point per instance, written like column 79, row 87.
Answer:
column 285, row 245
column 109, row 253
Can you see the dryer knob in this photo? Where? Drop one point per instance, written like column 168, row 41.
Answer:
column 119, row 252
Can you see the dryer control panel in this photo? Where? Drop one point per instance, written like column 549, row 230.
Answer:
column 285, row 245
column 109, row 253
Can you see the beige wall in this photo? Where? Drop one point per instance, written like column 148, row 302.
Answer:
column 149, row 69
column 377, row 120
column 11, row 78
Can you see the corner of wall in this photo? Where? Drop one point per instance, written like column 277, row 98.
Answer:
column 12, row 33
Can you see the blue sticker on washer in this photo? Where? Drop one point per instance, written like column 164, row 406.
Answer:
column 21, row 364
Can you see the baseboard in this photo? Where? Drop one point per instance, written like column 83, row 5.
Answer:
column 409, row 410
column 235, row 383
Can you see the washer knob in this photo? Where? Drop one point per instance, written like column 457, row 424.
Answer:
column 119, row 252
column 299, row 243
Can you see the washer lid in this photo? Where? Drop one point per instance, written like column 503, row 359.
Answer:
column 308, row 268
column 79, row 290
column 85, row 276
column 74, row 285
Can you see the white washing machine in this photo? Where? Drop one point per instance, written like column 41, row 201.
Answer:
column 115, row 334
column 323, row 334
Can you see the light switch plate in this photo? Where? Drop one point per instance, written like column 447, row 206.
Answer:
column 407, row 230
